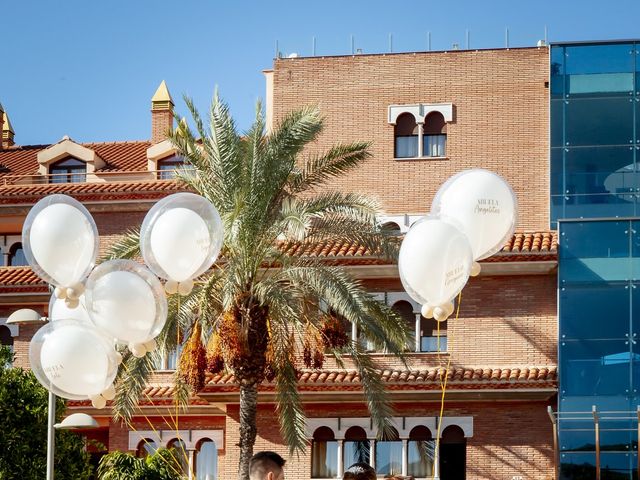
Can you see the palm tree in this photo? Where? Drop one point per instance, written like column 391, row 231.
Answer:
column 161, row 465
column 263, row 311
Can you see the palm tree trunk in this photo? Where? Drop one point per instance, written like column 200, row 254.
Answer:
column 248, row 430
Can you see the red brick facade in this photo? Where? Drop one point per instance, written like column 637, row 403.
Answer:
column 507, row 321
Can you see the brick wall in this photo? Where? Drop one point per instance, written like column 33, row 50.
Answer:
column 509, row 438
column 500, row 119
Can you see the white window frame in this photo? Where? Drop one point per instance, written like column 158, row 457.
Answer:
column 403, row 425
column 420, row 111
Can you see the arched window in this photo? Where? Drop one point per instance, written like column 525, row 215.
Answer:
column 453, row 454
column 167, row 167
column 180, row 453
column 206, row 460
column 324, row 454
column 389, row 454
column 434, row 135
column 16, row 256
column 6, row 338
column 356, row 446
column 391, row 227
column 406, row 136
column 405, row 310
column 433, row 337
column 68, row 170
column 420, row 452
column 146, row 447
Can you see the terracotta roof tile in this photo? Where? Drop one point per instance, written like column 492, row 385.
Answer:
column 104, row 191
column 118, row 156
column 516, row 376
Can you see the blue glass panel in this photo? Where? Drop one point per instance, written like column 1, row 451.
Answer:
column 616, row 466
column 594, row 251
column 434, row 145
column 557, row 123
column 575, row 466
column 621, row 402
column 557, row 71
column 595, row 367
column 595, row 311
column 356, row 451
column 617, row 436
column 420, row 458
column 599, row 121
column 389, row 458
column 599, row 69
column 406, row 146
column 601, row 171
column 324, row 459
column 557, row 171
column 433, row 344
column 207, row 461
column 602, row 205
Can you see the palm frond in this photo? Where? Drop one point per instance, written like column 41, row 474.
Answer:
column 319, row 169
column 127, row 246
column 131, row 380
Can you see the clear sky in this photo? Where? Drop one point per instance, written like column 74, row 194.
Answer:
column 88, row 69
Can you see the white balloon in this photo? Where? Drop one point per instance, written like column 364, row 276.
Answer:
column 434, row 262
column 58, row 310
column 60, row 240
column 181, row 236
column 126, row 301
column 483, row 206
column 71, row 359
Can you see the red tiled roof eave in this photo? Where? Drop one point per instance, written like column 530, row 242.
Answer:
column 425, row 379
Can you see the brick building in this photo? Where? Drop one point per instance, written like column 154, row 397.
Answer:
column 428, row 115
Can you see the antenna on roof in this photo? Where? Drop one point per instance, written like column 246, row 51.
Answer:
column 313, row 46
column 468, row 41
column 353, row 45
column 428, row 41
column 390, row 43
column 546, row 40
column 506, row 37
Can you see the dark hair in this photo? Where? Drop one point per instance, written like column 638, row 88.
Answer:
column 360, row 471
column 262, row 462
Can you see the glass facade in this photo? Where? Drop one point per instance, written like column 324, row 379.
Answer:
column 599, row 349
column 595, row 145
column 595, row 141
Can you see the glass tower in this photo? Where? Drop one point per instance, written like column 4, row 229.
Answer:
column 595, row 202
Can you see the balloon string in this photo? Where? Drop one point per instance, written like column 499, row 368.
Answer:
column 153, row 428
column 443, row 381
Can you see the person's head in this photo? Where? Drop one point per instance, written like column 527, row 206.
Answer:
column 359, row 471
column 266, row 466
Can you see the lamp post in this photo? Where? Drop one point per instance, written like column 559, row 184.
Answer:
column 26, row 316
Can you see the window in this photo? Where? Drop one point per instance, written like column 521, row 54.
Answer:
column 206, row 460
column 16, row 256
column 405, row 310
column 356, row 447
column 434, row 135
column 146, row 447
column 324, row 454
column 420, row 454
column 69, row 170
column 453, row 454
column 429, row 339
column 406, row 135
column 180, row 452
column 167, row 167
column 389, row 455
column 6, row 338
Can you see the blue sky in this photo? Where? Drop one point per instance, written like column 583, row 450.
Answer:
column 88, row 69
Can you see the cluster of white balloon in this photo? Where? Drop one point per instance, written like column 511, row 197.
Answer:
column 119, row 302
column 472, row 215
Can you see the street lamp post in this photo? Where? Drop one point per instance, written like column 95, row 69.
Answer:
column 26, row 316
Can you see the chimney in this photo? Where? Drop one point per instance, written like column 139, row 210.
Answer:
column 161, row 114
column 1, row 123
column 6, row 129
